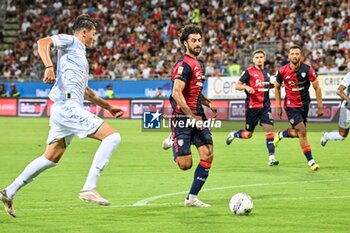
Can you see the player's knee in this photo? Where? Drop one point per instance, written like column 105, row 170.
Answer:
column 184, row 164
column 343, row 135
column 114, row 139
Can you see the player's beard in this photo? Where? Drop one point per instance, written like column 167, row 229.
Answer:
column 295, row 61
column 194, row 52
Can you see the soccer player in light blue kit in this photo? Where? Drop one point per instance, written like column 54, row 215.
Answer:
column 344, row 115
column 68, row 117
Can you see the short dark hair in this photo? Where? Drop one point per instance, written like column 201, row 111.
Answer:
column 258, row 51
column 84, row 21
column 294, row 47
column 188, row 30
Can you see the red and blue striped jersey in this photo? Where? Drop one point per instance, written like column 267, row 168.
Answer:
column 191, row 71
column 259, row 80
column 297, row 84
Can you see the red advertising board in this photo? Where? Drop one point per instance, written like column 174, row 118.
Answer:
column 8, row 107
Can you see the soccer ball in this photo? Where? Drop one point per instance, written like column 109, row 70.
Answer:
column 241, row 204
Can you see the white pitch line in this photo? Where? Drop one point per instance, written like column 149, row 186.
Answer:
column 147, row 200
column 67, row 208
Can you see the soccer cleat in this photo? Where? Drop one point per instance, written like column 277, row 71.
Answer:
column 273, row 162
column 195, row 202
column 168, row 142
column 230, row 137
column 277, row 139
column 94, row 197
column 323, row 140
column 8, row 204
column 315, row 167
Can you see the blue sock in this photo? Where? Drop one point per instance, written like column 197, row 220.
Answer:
column 285, row 134
column 269, row 143
column 238, row 134
column 200, row 176
column 307, row 152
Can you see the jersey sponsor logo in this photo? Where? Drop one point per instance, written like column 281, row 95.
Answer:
column 256, row 75
column 288, row 77
column 258, row 83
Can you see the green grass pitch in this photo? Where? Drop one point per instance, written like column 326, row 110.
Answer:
column 287, row 198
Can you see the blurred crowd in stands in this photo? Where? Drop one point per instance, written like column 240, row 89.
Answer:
column 138, row 39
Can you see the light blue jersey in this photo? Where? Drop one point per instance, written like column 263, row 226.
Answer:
column 72, row 69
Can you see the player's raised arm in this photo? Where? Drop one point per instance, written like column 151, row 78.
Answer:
column 44, row 46
column 95, row 99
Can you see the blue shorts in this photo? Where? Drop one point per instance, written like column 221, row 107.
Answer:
column 184, row 137
column 254, row 115
column 297, row 115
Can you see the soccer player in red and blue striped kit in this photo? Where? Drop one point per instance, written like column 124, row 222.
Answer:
column 255, row 81
column 187, row 100
column 296, row 77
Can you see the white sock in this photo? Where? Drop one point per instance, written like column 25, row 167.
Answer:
column 271, row 157
column 101, row 159
column 281, row 134
column 191, row 196
column 333, row 136
column 32, row 170
column 311, row 162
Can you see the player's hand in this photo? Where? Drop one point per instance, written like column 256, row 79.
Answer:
column 249, row 90
column 279, row 112
column 115, row 111
column 320, row 112
column 49, row 75
column 199, row 120
column 213, row 109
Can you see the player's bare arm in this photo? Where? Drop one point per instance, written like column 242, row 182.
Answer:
column 178, row 88
column 278, row 99
column 341, row 93
column 209, row 104
column 318, row 93
column 242, row 87
column 44, row 47
column 95, row 99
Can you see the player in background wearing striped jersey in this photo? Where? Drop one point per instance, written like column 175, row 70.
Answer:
column 68, row 116
column 296, row 77
column 344, row 115
column 255, row 81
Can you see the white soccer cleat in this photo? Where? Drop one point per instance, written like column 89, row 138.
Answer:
column 94, row 197
column 230, row 137
column 168, row 142
column 323, row 140
column 195, row 202
column 8, row 204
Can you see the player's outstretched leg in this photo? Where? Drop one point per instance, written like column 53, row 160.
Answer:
column 333, row 136
column 101, row 159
